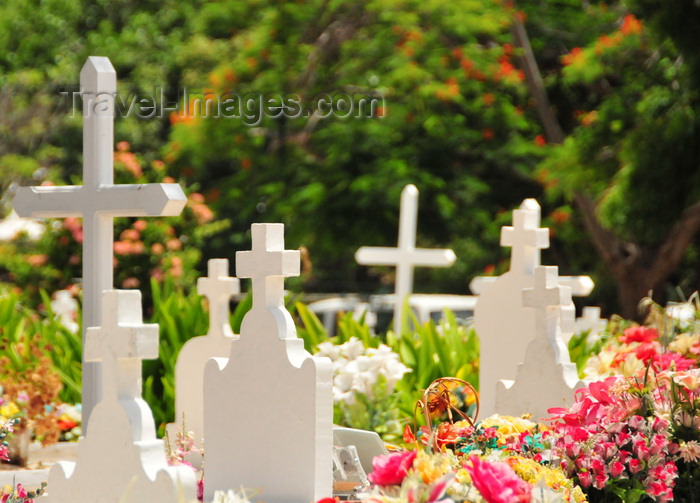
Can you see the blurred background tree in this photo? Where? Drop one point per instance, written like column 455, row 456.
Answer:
column 597, row 121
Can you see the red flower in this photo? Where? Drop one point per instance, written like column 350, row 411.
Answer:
column 639, row 334
column 391, row 469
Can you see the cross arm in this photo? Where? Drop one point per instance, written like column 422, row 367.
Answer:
column 370, row 255
column 153, row 199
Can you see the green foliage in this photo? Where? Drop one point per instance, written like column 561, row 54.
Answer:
column 18, row 324
column 448, row 349
column 453, row 121
column 180, row 316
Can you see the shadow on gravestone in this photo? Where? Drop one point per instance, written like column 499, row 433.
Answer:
column 121, row 460
column 218, row 287
column 547, row 378
column 270, row 405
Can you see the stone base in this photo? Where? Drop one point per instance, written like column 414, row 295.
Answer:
column 40, row 461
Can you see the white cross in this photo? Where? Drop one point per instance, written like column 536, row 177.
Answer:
column 218, row 288
column 267, row 264
column 547, row 297
column 591, row 320
column 98, row 201
column 525, row 237
column 120, row 343
column 406, row 256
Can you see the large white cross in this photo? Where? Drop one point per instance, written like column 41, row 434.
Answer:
column 267, row 264
column 547, row 297
column 218, row 288
column 98, row 201
column 525, row 237
column 406, row 256
column 120, row 343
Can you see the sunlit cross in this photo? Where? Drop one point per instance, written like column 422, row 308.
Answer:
column 525, row 237
column 120, row 343
column 218, row 287
column 405, row 257
column 267, row 264
column 98, row 201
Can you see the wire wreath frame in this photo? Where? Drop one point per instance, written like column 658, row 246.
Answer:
column 437, row 398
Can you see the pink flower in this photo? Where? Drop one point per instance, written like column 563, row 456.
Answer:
column 616, row 469
column 391, row 469
column 585, row 479
column 497, row 482
column 635, row 465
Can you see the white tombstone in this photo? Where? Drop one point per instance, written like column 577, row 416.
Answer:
column 503, row 325
column 591, row 321
column 547, row 378
column 120, row 459
column 98, row 201
column 218, row 288
column 269, row 407
column 405, row 256
column 65, row 307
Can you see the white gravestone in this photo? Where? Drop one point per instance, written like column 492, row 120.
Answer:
column 269, row 407
column 98, row 201
column 504, row 327
column 218, row 288
column 547, row 378
column 120, row 459
column 592, row 322
column 405, row 256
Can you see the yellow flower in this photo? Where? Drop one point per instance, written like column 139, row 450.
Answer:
column 507, row 426
column 683, row 342
column 9, row 410
column 463, row 476
column 430, row 467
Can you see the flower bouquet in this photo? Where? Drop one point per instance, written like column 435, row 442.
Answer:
column 498, row 460
column 632, row 439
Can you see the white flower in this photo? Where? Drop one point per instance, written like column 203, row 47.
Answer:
column 230, row 497
column 352, row 349
column 329, row 350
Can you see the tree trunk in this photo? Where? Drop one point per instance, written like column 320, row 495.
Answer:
column 638, row 271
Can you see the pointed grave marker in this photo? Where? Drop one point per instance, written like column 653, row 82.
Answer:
column 268, row 385
column 120, row 459
column 405, row 257
column 503, row 325
column 98, row 201
column 547, row 378
column 218, row 287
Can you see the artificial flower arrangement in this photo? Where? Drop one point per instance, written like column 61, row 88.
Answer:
column 632, row 439
column 17, row 494
column 458, row 460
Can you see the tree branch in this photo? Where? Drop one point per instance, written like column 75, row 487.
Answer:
column 671, row 252
column 550, row 124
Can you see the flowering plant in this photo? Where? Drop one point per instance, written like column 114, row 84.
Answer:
column 29, row 389
column 626, row 437
column 668, row 340
column 363, row 382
